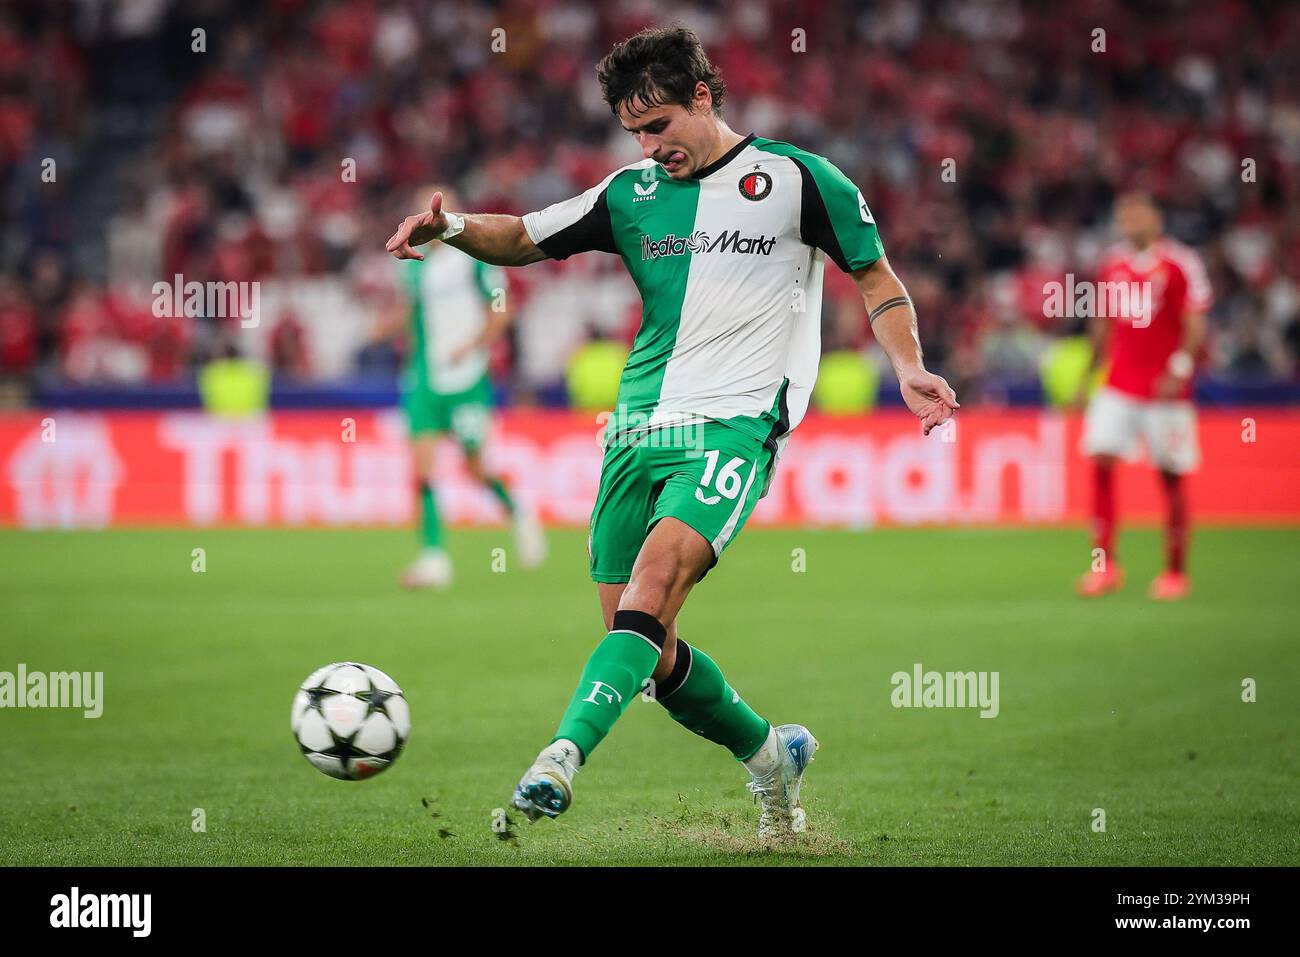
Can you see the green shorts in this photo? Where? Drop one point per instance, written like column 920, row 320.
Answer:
column 468, row 414
column 712, row 486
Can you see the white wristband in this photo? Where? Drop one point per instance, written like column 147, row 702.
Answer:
column 1181, row 365
column 455, row 226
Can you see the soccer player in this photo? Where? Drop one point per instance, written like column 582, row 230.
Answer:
column 725, row 237
column 454, row 309
column 1147, row 394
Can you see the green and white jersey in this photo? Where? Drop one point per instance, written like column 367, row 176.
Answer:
column 449, row 293
column 729, row 266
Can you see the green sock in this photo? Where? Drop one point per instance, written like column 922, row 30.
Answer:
column 430, row 527
column 615, row 673
column 699, row 698
column 498, row 488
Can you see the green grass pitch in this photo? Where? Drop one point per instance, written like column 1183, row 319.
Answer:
column 1123, row 704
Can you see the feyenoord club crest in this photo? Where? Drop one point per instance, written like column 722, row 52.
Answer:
column 755, row 185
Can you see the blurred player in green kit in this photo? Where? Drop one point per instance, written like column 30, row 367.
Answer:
column 454, row 309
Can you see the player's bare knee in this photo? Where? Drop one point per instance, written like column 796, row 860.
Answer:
column 422, row 460
column 651, row 587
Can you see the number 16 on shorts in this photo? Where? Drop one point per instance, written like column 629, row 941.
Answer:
column 727, row 482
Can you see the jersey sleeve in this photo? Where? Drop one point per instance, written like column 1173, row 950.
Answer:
column 1199, row 294
column 834, row 216
column 575, row 225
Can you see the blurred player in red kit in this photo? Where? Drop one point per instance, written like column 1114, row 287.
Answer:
column 1152, row 348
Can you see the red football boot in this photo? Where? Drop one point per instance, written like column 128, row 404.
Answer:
column 1096, row 584
column 1170, row 586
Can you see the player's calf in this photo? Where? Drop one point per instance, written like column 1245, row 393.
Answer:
column 698, row 697
column 615, row 673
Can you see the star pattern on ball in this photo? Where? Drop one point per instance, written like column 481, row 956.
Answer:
column 355, row 761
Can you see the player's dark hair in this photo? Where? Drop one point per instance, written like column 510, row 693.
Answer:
column 658, row 67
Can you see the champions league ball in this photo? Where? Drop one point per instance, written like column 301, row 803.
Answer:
column 350, row 720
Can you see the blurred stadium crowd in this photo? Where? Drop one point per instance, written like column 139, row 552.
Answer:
column 231, row 162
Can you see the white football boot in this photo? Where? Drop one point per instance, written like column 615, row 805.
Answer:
column 778, row 788
column 530, row 540
column 431, row 570
column 546, row 789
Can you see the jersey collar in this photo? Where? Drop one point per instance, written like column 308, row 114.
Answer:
column 724, row 159
column 1144, row 260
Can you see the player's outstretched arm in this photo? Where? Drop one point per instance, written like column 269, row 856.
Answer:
column 893, row 321
column 491, row 238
